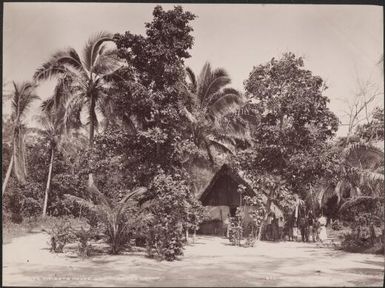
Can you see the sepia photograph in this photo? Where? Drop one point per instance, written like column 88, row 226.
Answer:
column 192, row 145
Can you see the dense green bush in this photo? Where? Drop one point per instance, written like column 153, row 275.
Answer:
column 13, row 206
column 352, row 243
column 171, row 208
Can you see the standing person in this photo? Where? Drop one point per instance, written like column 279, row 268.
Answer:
column 269, row 227
column 290, row 227
column 281, row 225
column 311, row 226
column 295, row 229
column 316, row 229
column 274, row 226
column 303, row 226
column 322, row 231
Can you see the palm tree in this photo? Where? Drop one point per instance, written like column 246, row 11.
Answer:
column 22, row 98
column 112, row 213
column 207, row 106
column 57, row 132
column 83, row 78
column 52, row 133
column 362, row 168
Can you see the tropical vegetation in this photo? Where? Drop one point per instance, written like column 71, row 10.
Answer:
column 155, row 133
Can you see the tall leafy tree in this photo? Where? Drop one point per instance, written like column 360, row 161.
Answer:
column 22, row 97
column 293, row 125
column 85, row 77
column 158, row 57
column 147, row 102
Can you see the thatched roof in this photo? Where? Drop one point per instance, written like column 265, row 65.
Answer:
column 225, row 172
column 222, row 190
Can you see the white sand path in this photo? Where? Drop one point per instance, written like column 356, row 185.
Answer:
column 209, row 262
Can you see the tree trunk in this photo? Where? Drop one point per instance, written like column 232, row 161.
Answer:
column 48, row 183
column 194, row 235
column 92, row 132
column 186, row 234
column 268, row 207
column 8, row 174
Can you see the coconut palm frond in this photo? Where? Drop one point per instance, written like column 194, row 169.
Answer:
column 99, row 196
column 192, row 78
column 72, row 110
column 219, row 72
column 137, row 192
column 26, row 104
column 106, row 64
column 189, row 115
column 59, row 64
column 82, row 202
column 221, row 146
column 226, row 104
column 47, row 105
column 373, row 176
column 204, row 80
column 216, row 85
column 364, row 155
column 357, row 201
column 93, row 47
column 23, row 96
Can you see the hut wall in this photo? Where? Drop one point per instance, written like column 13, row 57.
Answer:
column 215, row 224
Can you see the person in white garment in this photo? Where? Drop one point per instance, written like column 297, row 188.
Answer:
column 227, row 225
column 322, row 233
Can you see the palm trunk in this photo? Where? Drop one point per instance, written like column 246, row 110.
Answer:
column 8, row 174
column 92, row 132
column 48, row 183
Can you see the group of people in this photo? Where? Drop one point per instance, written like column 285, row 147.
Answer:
column 304, row 226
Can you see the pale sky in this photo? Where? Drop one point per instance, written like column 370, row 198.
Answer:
column 340, row 43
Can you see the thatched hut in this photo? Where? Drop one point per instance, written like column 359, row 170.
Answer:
column 222, row 198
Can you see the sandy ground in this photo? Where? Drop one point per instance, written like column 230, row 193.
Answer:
column 211, row 261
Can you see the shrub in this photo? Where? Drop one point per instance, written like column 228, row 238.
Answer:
column 165, row 240
column 336, row 225
column 31, row 207
column 351, row 243
column 170, row 209
column 236, row 229
column 84, row 236
column 61, row 234
column 15, row 206
column 250, row 240
column 116, row 217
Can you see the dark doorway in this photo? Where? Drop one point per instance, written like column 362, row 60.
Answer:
column 233, row 210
